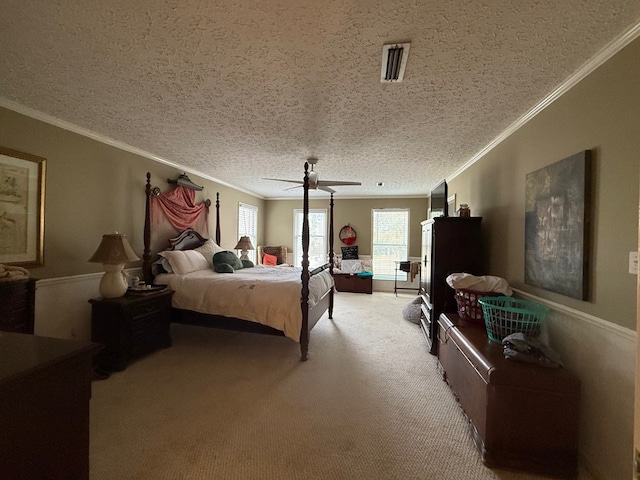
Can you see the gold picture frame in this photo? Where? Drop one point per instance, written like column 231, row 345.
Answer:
column 22, row 180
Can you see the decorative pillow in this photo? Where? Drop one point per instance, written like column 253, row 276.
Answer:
column 350, row 253
column 247, row 264
column 271, row 260
column 208, row 249
column 223, row 268
column 187, row 261
column 226, row 257
column 280, row 253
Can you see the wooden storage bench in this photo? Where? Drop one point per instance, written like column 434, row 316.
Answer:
column 346, row 282
column 521, row 415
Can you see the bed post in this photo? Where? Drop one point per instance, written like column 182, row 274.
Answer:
column 146, row 255
column 304, row 302
column 331, row 253
column 218, row 218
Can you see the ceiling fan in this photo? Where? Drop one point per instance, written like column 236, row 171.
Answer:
column 314, row 182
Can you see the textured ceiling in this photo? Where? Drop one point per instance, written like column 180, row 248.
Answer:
column 245, row 89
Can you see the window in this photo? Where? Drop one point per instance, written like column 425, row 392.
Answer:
column 390, row 242
column 248, row 225
column 317, row 237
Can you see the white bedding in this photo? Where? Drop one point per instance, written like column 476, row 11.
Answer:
column 262, row 294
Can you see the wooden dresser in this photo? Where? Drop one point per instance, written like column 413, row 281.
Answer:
column 17, row 305
column 45, row 387
column 449, row 245
column 521, row 415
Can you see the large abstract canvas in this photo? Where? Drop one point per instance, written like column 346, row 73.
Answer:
column 557, row 213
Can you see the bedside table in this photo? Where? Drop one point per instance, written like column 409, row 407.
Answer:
column 130, row 327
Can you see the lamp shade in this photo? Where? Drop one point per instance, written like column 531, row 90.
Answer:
column 244, row 244
column 113, row 250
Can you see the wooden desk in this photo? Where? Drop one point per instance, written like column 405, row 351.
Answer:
column 45, row 386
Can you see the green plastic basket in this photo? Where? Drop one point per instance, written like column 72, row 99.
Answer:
column 506, row 315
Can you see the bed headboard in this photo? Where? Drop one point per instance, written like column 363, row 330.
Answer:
column 187, row 239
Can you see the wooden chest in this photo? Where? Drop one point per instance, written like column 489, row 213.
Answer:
column 346, row 282
column 521, row 415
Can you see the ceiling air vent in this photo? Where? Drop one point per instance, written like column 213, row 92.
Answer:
column 394, row 61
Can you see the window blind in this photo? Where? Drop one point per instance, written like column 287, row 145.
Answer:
column 248, row 225
column 390, row 242
column 317, row 237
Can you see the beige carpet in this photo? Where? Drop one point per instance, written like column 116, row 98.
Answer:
column 368, row 404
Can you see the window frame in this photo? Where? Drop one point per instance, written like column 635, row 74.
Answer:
column 252, row 230
column 390, row 272
column 297, row 237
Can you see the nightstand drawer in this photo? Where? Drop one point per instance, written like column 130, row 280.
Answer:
column 143, row 323
column 148, row 309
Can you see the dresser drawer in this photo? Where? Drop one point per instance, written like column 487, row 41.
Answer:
column 17, row 305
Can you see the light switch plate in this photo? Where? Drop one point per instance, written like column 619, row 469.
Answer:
column 633, row 263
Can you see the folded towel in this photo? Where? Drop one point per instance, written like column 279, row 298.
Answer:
column 10, row 273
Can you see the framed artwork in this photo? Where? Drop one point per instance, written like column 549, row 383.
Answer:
column 22, row 178
column 557, row 226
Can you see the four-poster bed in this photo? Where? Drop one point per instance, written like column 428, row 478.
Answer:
column 293, row 317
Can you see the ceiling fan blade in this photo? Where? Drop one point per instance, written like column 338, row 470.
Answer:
column 331, row 183
column 293, row 188
column 283, row 180
column 326, row 189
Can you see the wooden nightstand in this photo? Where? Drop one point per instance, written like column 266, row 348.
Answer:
column 130, row 327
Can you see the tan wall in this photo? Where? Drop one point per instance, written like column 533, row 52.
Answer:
column 93, row 188
column 601, row 113
column 357, row 212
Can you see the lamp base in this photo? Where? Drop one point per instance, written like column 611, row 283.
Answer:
column 114, row 281
column 243, row 255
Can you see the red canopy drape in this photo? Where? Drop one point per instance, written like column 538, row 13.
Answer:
column 180, row 209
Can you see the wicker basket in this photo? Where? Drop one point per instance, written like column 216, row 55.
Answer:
column 506, row 315
column 468, row 307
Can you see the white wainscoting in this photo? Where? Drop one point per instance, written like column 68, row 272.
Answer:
column 62, row 305
column 602, row 355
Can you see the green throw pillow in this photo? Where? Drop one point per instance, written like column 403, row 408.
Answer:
column 247, row 263
column 223, row 268
column 229, row 258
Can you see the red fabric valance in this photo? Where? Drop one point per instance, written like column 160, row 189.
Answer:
column 179, row 208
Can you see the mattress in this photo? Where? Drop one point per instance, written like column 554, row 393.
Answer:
column 263, row 294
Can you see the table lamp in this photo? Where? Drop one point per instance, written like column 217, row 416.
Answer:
column 114, row 251
column 245, row 245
